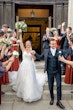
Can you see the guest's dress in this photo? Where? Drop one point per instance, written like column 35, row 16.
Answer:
column 2, row 72
column 5, row 77
column 15, row 65
column 28, row 85
column 2, row 69
column 69, row 69
column 58, row 44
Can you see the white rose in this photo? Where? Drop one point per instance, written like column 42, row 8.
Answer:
column 60, row 52
column 16, row 54
column 18, row 41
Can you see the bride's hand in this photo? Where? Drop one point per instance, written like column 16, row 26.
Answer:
column 20, row 31
column 33, row 52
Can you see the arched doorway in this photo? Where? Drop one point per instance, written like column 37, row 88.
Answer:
column 36, row 17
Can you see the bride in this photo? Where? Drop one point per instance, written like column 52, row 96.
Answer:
column 28, row 85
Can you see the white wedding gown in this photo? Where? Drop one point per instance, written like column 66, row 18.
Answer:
column 29, row 85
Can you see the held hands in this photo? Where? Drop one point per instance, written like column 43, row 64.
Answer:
column 32, row 52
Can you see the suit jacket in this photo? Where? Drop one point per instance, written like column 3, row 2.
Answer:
column 49, row 55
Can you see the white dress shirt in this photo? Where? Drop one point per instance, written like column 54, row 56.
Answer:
column 53, row 51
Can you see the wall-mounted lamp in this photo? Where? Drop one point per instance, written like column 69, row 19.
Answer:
column 32, row 14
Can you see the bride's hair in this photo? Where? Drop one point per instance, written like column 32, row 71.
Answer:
column 26, row 42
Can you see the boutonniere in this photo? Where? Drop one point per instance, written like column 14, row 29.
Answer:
column 72, row 47
column 59, row 53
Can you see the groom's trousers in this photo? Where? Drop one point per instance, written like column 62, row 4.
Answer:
column 51, row 77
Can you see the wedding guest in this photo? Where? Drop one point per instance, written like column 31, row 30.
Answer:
column 69, row 69
column 61, row 58
column 2, row 55
column 46, row 37
column 65, row 44
column 4, row 66
column 14, row 47
column 5, row 29
column 57, row 38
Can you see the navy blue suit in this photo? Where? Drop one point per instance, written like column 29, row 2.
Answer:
column 53, row 68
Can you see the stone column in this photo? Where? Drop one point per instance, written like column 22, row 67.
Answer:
column 70, row 13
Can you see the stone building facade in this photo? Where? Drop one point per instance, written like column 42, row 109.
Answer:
column 47, row 13
column 8, row 9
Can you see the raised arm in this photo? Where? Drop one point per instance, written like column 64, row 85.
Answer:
column 62, row 28
column 3, row 51
column 21, row 41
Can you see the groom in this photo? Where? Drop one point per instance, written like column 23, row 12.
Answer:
column 53, row 68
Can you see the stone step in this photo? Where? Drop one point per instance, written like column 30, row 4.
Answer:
column 64, row 86
column 10, row 95
column 39, row 64
column 66, row 95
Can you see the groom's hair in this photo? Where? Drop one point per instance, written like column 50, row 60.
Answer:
column 51, row 40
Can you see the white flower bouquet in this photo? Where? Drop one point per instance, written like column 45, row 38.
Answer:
column 18, row 41
column 6, row 41
column 21, row 25
column 53, row 29
column 10, row 30
column 15, row 54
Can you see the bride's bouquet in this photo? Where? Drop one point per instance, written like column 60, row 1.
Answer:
column 21, row 25
column 15, row 54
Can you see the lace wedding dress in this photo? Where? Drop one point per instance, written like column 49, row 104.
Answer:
column 29, row 84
